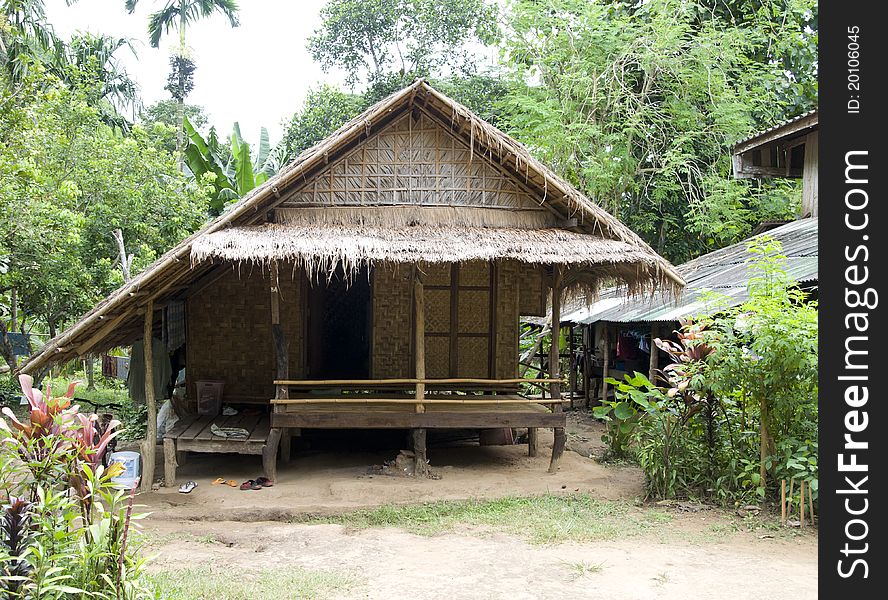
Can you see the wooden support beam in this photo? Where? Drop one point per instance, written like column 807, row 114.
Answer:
column 419, row 340
column 149, row 445
column 533, row 445
column 421, row 464
column 588, row 340
column 281, row 345
column 572, row 373
column 655, row 354
column 554, row 368
column 605, row 332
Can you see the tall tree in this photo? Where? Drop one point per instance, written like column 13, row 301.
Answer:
column 178, row 15
column 380, row 40
column 639, row 103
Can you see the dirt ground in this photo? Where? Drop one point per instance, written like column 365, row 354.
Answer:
column 698, row 555
column 317, row 482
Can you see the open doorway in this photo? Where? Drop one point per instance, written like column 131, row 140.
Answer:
column 339, row 327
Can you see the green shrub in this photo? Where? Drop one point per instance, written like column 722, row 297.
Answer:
column 64, row 531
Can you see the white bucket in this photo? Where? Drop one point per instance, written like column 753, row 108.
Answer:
column 131, row 471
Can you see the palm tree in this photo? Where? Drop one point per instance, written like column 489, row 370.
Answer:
column 178, row 14
column 25, row 35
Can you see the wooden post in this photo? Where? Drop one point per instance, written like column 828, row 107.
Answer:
column 281, row 347
column 169, row 462
column 554, row 370
column 573, row 365
column 588, row 338
column 783, row 502
column 421, row 465
column 802, row 503
column 149, row 445
column 606, row 365
column 655, row 354
column 810, row 505
column 532, row 441
column 419, row 338
column 282, row 362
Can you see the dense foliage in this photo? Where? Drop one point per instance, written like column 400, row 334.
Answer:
column 639, row 103
column 67, row 181
column 739, row 410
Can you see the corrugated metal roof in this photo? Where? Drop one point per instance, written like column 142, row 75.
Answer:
column 724, row 271
column 785, row 124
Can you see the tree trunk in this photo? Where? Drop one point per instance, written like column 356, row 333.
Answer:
column 126, row 260
column 763, row 441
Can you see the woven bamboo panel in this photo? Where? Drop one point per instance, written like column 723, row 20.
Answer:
column 474, row 311
column 229, row 333
column 437, row 274
column 392, row 323
column 532, row 297
column 437, row 311
column 437, row 354
column 508, row 285
column 472, row 357
column 474, row 273
column 413, row 161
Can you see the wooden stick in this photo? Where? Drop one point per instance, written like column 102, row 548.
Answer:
column 802, row 503
column 810, row 505
column 555, row 368
column 419, row 343
column 360, row 400
column 401, row 381
column 150, row 444
column 783, row 502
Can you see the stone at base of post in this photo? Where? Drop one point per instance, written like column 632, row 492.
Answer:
column 557, row 448
column 170, row 462
column 532, row 441
column 421, row 464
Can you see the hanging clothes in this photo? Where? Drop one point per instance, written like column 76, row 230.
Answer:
column 627, row 347
column 162, row 371
column 109, row 366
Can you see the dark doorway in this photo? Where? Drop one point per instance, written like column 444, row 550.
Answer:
column 339, row 327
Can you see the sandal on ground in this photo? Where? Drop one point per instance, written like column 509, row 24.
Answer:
column 186, row 487
column 219, row 481
column 264, row 481
column 250, row 484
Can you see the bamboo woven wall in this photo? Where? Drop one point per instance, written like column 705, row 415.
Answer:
column 508, row 285
column 532, row 301
column 414, row 161
column 229, row 333
column 391, row 354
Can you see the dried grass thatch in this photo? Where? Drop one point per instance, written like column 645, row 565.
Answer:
column 321, row 248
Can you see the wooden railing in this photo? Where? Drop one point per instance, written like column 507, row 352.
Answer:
column 419, row 384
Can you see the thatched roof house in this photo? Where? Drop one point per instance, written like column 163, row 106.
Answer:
column 398, row 252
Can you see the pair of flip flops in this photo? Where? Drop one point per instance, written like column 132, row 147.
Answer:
column 256, row 484
column 222, row 481
column 187, row 487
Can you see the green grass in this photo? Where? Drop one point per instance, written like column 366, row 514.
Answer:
column 541, row 519
column 581, row 569
column 280, row 583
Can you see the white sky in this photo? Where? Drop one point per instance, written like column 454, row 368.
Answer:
column 257, row 74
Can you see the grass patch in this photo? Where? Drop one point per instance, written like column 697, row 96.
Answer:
column 540, row 519
column 280, row 583
column 581, row 569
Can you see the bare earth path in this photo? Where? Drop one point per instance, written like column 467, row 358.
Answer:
column 711, row 554
column 393, row 564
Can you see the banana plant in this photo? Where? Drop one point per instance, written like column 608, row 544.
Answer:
column 236, row 170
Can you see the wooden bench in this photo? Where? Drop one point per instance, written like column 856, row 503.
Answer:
column 193, row 434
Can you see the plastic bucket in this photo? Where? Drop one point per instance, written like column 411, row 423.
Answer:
column 131, row 471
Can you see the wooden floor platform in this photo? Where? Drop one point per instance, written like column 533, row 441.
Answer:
column 359, row 415
column 193, row 433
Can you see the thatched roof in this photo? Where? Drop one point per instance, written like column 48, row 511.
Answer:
column 588, row 237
